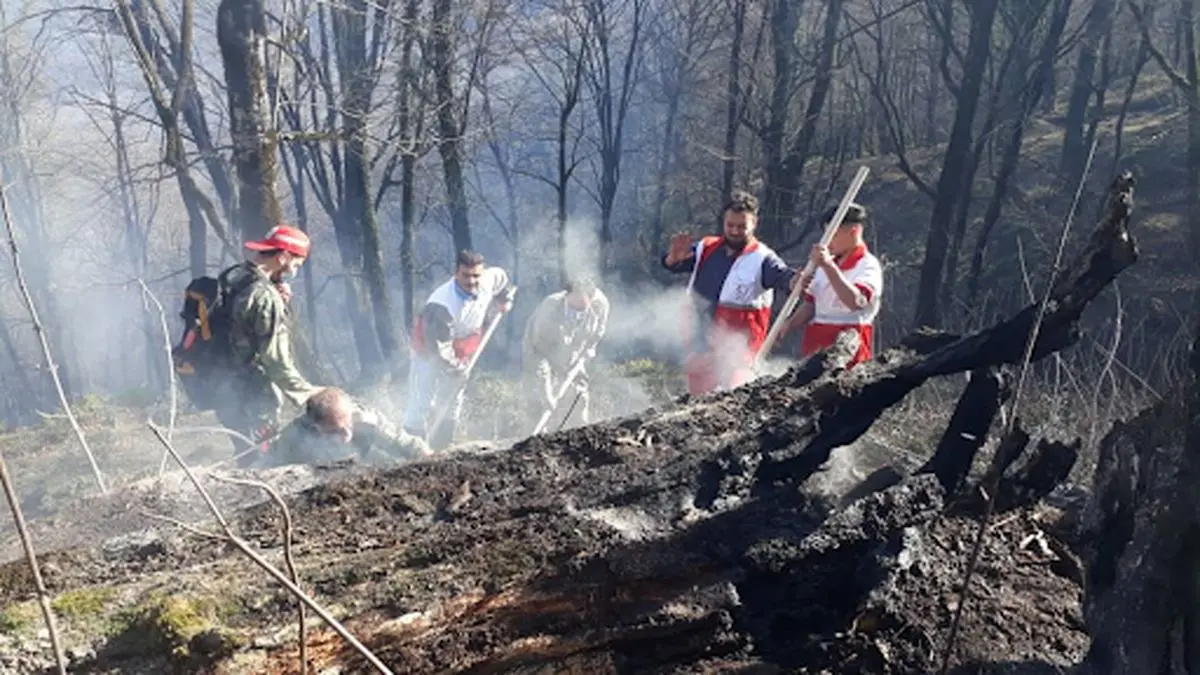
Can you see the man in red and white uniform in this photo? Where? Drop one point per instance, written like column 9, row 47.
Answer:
column 733, row 282
column 844, row 291
column 447, row 334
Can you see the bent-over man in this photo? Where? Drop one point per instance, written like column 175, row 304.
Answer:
column 334, row 427
column 448, row 332
column 563, row 331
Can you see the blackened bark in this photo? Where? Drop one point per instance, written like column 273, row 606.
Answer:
column 441, row 56
column 242, row 36
column 937, row 242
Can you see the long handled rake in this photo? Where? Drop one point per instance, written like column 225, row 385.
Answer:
column 449, row 402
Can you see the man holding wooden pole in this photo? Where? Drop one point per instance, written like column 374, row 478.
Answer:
column 446, row 341
column 843, row 291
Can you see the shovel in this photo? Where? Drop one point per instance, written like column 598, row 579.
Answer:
column 571, row 375
column 487, row 336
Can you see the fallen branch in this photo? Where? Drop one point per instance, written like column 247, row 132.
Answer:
column 1014, row 439
column 173, row 391
column 40, row 330
column 257, row 558
column 288, row 533
column 14, row 505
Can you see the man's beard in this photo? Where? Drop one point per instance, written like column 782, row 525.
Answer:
column 737, row 244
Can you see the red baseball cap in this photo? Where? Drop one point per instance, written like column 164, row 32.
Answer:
column 283, row 238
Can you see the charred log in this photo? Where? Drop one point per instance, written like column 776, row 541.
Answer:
column 1140, row 535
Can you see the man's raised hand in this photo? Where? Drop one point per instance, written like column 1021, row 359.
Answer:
column 681, row 248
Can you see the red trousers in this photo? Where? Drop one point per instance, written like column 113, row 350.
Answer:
column 818, row 336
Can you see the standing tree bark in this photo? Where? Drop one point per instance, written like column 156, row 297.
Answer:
column 1188, row 84
column 1074, row 150
column 1026, row 95
column 733, row 93
column 612, row 78
column 358, row 228
column 449, row 124
column 785, row 160
column 242, row 35
column 955, row 162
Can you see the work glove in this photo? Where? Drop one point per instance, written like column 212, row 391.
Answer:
column 285, row 291
column 458, row 371
column 505, row 300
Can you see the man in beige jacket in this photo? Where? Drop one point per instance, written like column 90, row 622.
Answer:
column 563, row 330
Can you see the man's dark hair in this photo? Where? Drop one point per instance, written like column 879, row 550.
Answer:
column 468, row 258
column 742, row 202
column 325, row 406
column 855, row 215
column 580, row 284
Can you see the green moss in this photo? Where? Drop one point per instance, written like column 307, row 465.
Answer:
column 186, row 627
column 19, row 618
column 82, row 604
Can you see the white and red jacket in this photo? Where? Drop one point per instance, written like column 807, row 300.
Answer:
column 450, row 325
column 744, row 303
column 831, row 316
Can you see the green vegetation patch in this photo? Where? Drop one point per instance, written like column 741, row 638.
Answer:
column 187, row 627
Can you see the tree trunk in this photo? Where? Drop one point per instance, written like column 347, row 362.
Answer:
column 242, row 35
column 441, row 56
column 784, row 177
column 1074, row 150
column 357, row 213
column 733, row 92
column 1029, row 97
column 954, row 163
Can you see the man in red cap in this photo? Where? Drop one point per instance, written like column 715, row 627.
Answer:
column 264, row 369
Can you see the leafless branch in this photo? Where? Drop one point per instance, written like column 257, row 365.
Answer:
column 288, row 533
column 257, row 558
column 40, row 330
column 14, row 505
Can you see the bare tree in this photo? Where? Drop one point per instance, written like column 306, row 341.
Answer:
column 1099, row 24
column 614, row 32
column 682, row 37
column 554, row 53
column 786, row 150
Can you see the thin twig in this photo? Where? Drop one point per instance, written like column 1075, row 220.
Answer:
column 264, row 564
column 1010, row 421
column 40, row 330
column 288, row 533
column 171, row 384
column 14, row 505
column 228, row 432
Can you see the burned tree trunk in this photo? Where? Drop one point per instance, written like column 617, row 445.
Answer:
column 242, row 34
column 1142, row 595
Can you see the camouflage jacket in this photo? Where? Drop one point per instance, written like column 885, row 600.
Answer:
column 302, row 442
column 555, row 334
column 260, row 338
